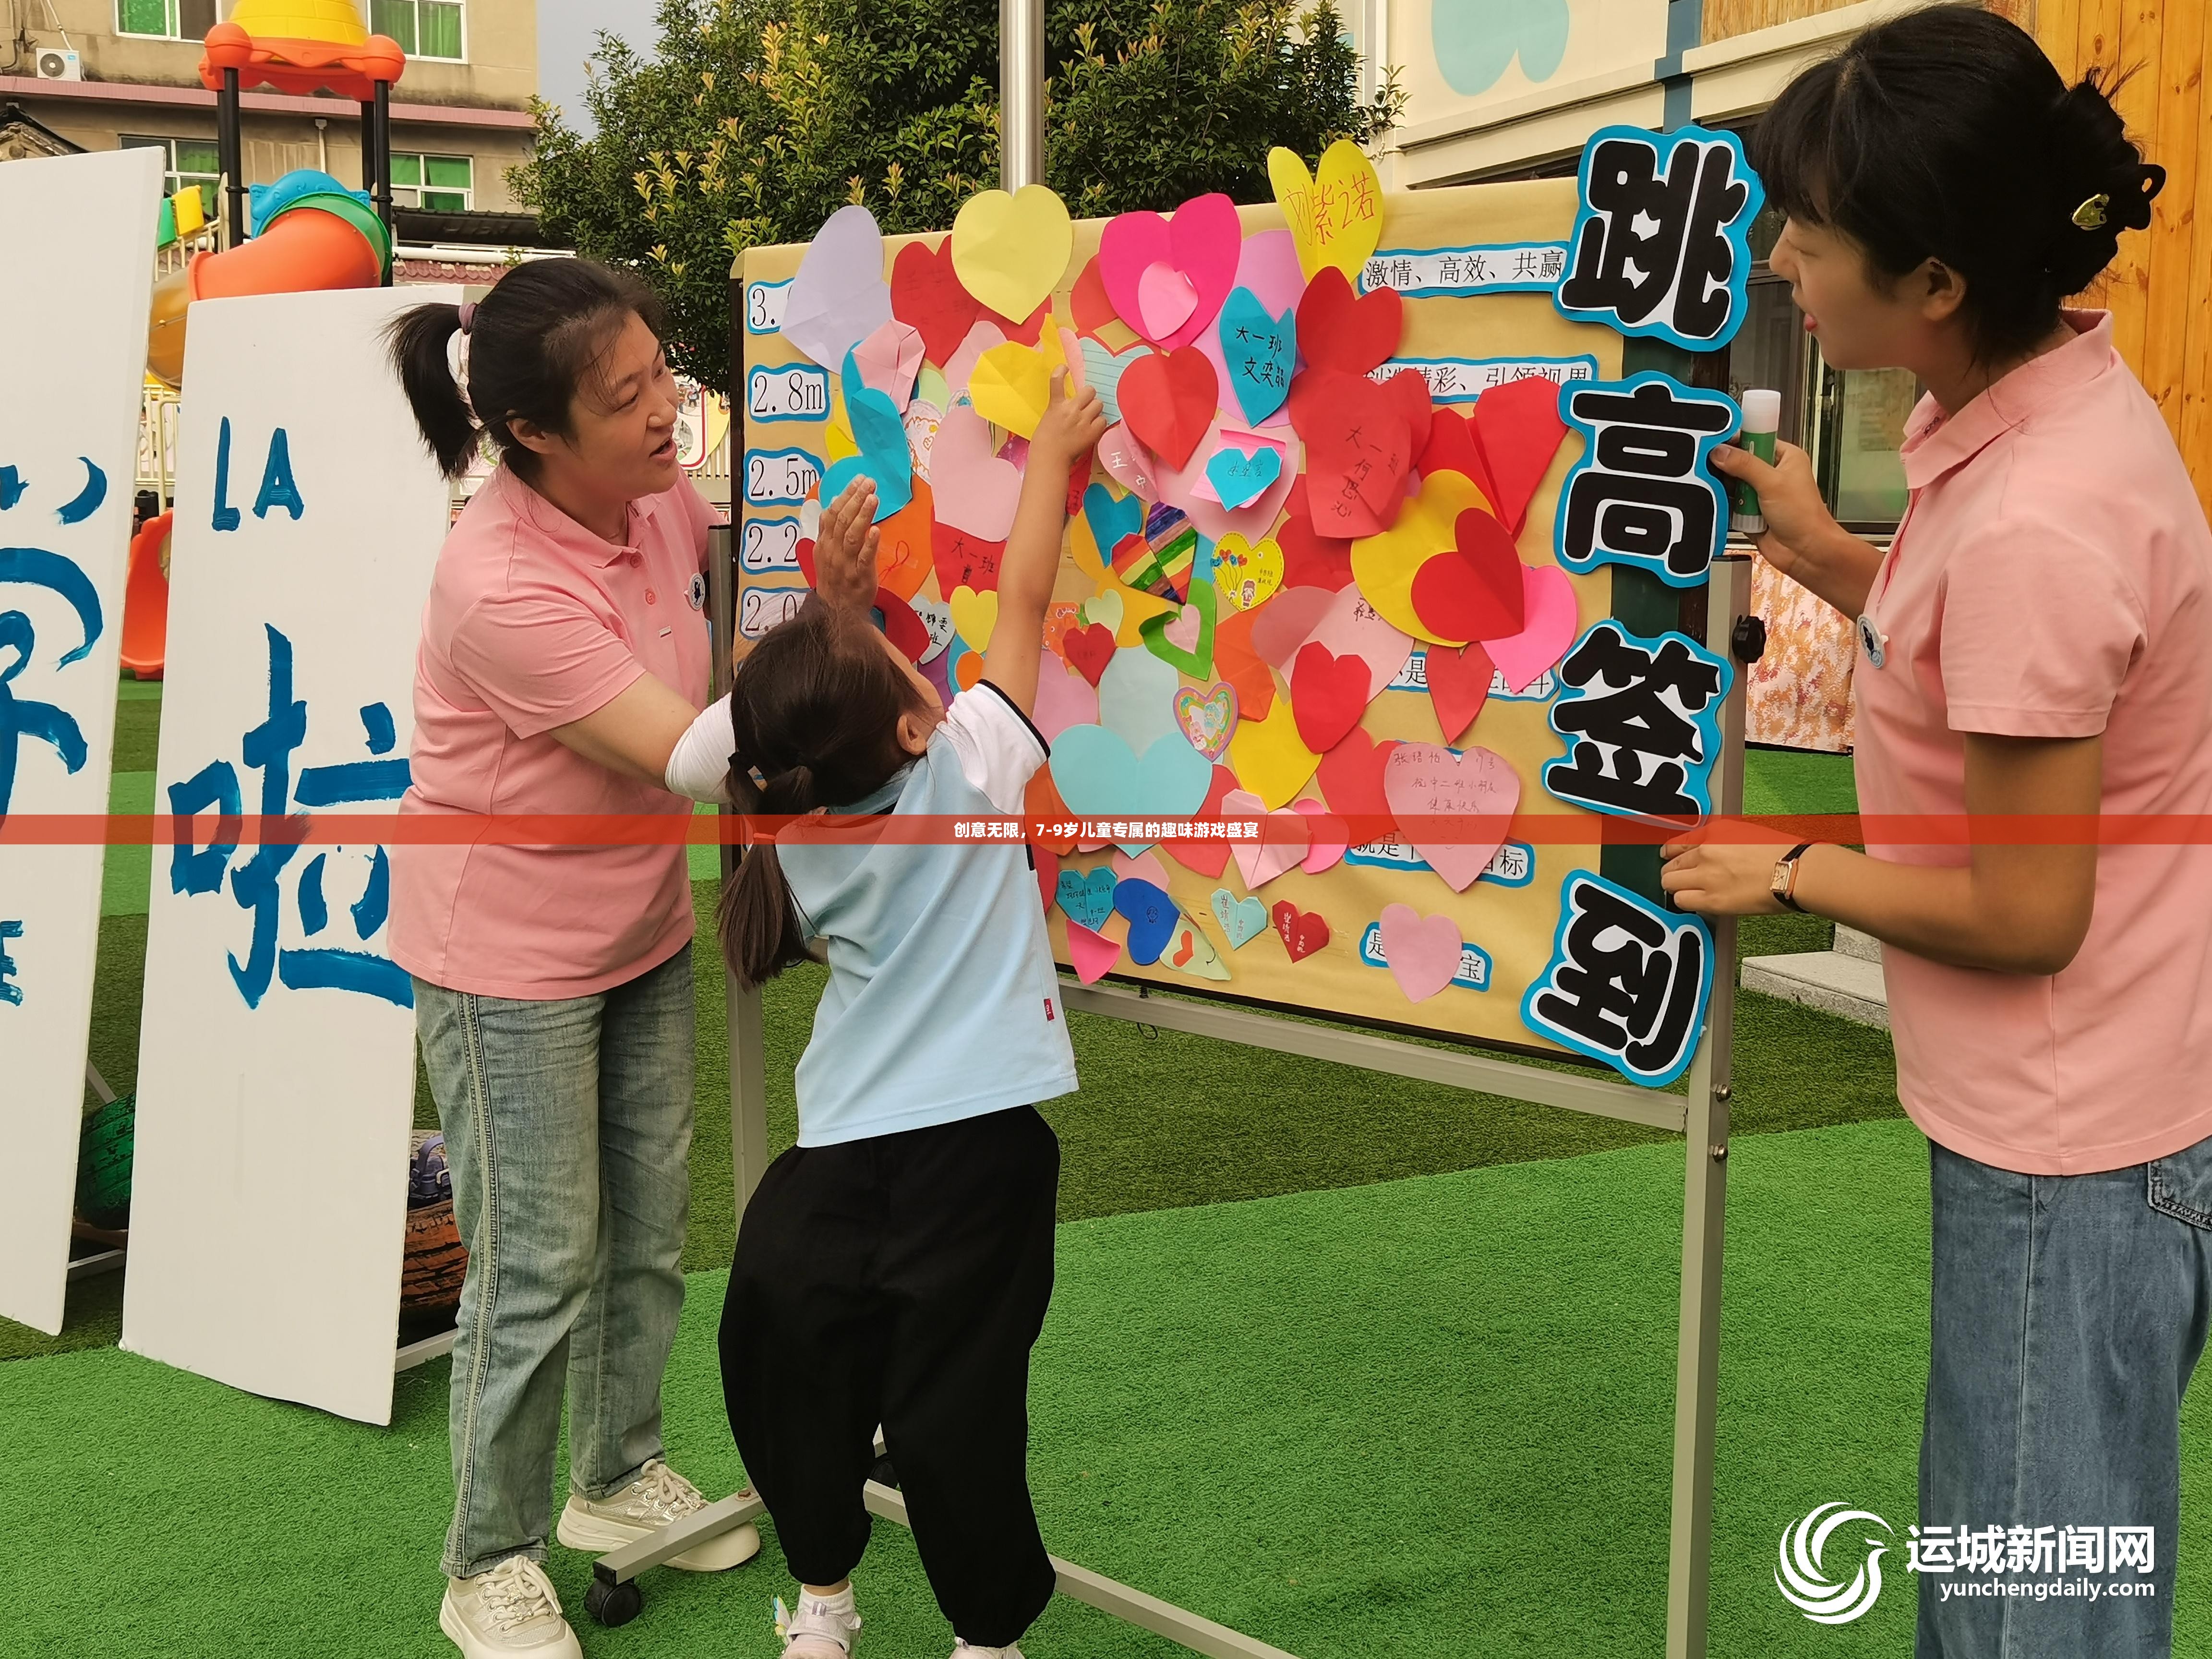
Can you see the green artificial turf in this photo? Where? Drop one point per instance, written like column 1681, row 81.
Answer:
column 1427, row 1417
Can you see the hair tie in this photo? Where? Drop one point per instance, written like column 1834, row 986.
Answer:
column 468, row 315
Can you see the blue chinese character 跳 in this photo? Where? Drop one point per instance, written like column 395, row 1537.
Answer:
column 256, row 885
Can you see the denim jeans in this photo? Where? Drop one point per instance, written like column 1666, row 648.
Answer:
column 567, row 1127
column 2067, row 1313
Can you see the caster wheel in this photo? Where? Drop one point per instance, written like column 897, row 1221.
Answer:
column 613, row 1604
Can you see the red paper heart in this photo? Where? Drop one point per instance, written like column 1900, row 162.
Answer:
column 1452, row 448
column 1040, row 804
column 1093, row 310
column 1459, row 682
column 1236, row 660
column 901, row 626
column 1089, row 650
column 1340, row 329
column 1410, row 388
column 1310, row 559
column 964, row 560
column 1518, row 428
column 1025, row 331
column 1328, row 694
column 1048, row 873
column 806, row 559
column 1358, row 451
column 1209, row 857
column 1167, row 401
column 926, row 294
column 1303, row 931
column 1474, row 591
column 1352, row 779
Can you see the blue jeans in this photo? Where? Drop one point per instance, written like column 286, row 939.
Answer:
column 567, row 1127
column 2067, row 1313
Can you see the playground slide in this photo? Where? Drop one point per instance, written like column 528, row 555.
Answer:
column 146, row 599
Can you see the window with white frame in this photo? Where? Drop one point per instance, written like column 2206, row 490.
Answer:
column 185, row 162
column 437, row 183
column 164, row 20
column 423, row 28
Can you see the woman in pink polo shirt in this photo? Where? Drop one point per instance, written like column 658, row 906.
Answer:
column 2036, row 642
column 564, row 653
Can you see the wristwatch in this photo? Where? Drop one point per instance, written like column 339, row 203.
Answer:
column 1784, row 885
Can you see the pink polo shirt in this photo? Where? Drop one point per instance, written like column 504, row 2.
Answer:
column 533, row 622
column 2053, row 579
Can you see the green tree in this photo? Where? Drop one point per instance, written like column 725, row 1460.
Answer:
column 754, row 120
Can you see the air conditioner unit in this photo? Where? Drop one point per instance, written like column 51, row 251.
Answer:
column 56, row 64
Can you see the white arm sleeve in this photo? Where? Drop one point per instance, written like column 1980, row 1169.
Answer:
column 998, row 749
column 699, row 765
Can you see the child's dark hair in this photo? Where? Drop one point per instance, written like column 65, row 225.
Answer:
column 814, row 709
column 539, row 337
column 1947, row 134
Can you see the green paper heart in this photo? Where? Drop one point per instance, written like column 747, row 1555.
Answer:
column 1198, row 664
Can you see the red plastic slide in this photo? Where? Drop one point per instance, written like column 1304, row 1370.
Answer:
column 146, row 600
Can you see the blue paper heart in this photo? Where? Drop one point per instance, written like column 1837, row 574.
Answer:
column 1110, row 519
column 1102, row 371
column 1260, row 350
column 1476, row 40
column 1239, row 476
column 1098, row 775
column 1240, row 918
column 883, row 458
column 1087, row 899
column 1152, row 919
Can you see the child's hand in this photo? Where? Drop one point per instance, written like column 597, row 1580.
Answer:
column 1072, row 427
column 845, row 549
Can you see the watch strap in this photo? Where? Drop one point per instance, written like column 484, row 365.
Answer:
column 1787, row 893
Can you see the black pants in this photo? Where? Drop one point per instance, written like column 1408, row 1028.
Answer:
column 900, row 1280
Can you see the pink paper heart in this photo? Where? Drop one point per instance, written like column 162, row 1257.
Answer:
column 1128, row 462
column 1145, row 866
column 1091, row 953
column 1064, row 698
column 1352, row 628
column 1282, row 848
column 1423, row 781
column 1423, row 951
column 1166, row 298
column 1330, row 840
column 1286, row 622
column 1208, row 718
column 1186, row 487
column 973, row 488
column 889, row 359
column 1202, row 242
column 1549, row 618
column 1181, row 631
column 980, row 338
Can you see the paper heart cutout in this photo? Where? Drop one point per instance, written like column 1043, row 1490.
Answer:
column 1152, row 917
column 1423, row 951
column 1288, row 620
column 1208, row 718
column 1358, row 451
column 964, row 560
column 1242, row 476
column 1235, row 662
column 1086, row 897
column 1167, row 402
column 1092, row 307
column 1010, row 250
column 1110, row 519
column 936, row 618
column 1352, row 628
column 1127, row 463
column 1553, row 621
column 1199, row 244
column 1136, row 699
column 1247, row 576
column 1243, row 920
column 974, row 615
column 1385, row 565
column 1426, row 782
column 1459, row 684
column 1106, row 607
column 901, row 627
column 1282, row 843
column 883, row 458
column 1473, row 591
column 1258, row 353
column 1331, row 836
column 975, row 490
column 1009, row 386
column 1189, row 951
column 1310, row 559
column 1303, row 932
column 1410, row 389
column 1338, row 329
column 1208, row 855
column 984, row 336
column 1064, row 698
column 1165, row 299
column 888, row 360
column 1269, row 758
column 903, row 559
column 1187, row 488
column 1335, row 214
column 1062, row 617
column 926, row 293
column 838, row 298
column 1102, row 371
column 1184, row 639
column 1351, row 779
column 1098, row 775
column 1090, row 953
column 1328, row 693
column 1454, row 447
column 1519, row 428
column 1090, row 649
column 1138, row 866
column 1046, row 862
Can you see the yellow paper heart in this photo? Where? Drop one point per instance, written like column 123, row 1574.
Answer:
column 1336, row 216
column 1009, row 387
column 1104, row 607
column 1011, row 251
column 1246, row 575
column 1269, row 758
column 974, row 615
column 1384, row 565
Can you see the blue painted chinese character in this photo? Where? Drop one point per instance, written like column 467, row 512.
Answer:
column 10, row 990
column 36, row 567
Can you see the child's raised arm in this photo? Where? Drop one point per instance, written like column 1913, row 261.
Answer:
column 1070, row 428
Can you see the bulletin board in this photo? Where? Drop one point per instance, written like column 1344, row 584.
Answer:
column 1370, row 912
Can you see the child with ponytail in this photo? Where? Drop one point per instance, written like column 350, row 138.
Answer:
column 894, row 1266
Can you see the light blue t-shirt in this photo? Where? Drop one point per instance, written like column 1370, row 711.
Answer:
column 943, row 1002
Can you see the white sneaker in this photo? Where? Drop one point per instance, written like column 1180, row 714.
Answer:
column 1009, row 1651
column 649, row 1503
column 511, row 1609
column 820, row 1629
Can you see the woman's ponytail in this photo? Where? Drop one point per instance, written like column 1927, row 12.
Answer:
column 758, row 922
column 2104, row 187
column 418, row 339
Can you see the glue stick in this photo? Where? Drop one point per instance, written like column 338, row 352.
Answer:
column 1762, row 414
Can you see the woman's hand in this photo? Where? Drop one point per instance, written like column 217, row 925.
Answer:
column 845, row 549
column 1072, row 426
column 1721, row 878
column 1802, row 540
